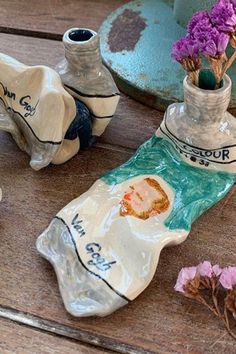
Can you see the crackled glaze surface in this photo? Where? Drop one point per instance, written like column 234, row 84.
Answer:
column 105, row 245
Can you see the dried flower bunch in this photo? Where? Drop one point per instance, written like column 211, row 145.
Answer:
column 208, row 35
column 207, row 285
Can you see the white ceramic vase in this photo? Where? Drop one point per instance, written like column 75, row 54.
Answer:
column 201, row 128
column 86, row 78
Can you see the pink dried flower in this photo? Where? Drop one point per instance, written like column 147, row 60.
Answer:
column 216, row 270
column 228, row 277
column 184, row 277
column 202, row 282
column 205, row 269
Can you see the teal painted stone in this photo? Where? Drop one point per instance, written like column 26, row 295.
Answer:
column 136, row 42
column 183, row 9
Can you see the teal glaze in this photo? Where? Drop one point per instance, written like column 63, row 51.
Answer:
column 148, row 73
column 196, row 189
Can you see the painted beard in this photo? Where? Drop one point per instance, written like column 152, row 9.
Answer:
column 144, row 199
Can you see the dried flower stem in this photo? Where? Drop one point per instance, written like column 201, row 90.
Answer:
column 214, row 294
column 202, row 301
column 226, row 321
column 195, row 282
column 224, row 317
column 216, row 65
column 228, row 64
column 193, row 76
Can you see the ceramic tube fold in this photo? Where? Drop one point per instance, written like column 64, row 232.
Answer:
column 37, row 111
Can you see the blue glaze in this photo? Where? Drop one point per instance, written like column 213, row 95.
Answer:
column 81, row 126
column 196, row 189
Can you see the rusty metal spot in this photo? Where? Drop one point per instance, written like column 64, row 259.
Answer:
column 125, row 31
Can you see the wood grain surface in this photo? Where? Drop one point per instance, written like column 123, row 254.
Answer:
column 54, row 16
column 159, row 320
column 35, row 342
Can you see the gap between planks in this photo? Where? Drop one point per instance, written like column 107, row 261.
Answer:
column 31, row 33
column 55, row 328
column 116, row 148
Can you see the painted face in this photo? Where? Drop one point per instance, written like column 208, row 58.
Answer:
column 144, row 199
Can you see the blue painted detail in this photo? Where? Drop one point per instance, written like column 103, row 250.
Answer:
column 147, row 72
column 196, row 189
column 81, row 126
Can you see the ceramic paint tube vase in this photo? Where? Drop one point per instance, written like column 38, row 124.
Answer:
column 86, row 78
column 105, row 245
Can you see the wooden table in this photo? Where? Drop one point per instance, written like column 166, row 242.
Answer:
column 32, row 316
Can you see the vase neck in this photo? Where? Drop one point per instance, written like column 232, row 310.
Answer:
column 207, row 106
column 82, row 51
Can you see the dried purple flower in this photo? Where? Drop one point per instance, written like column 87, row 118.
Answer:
column 209, row 34
column 223, row 16
column 209, row 40
column 185, row 48
column 201, row 16
column 216, row 44
column 233, row 2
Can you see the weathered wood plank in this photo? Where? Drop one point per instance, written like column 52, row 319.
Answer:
column 158, row 320
column 133, row 122
column 18, row 339
column 67, row 332
column 55, row 16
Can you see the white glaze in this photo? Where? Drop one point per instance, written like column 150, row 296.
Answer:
column 86, row 78
column 201, row 127
column 132, row 243
column 36, row 110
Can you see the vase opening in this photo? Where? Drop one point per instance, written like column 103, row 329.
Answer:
column 80, row 35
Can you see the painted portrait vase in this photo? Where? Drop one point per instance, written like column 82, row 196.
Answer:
column 105, row 245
